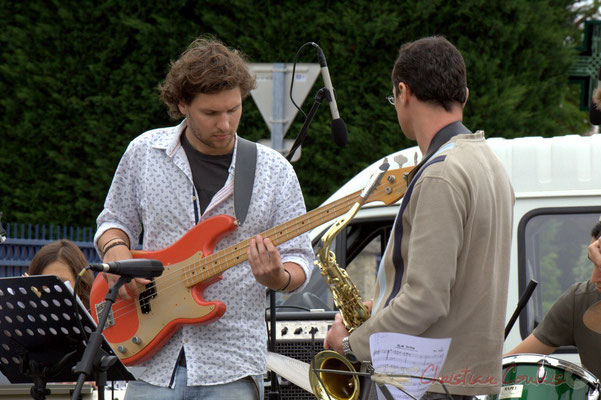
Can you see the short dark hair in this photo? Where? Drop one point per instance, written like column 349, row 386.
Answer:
column 596, row 232
column 69, row 254
column 433, row 69
column 207, row 66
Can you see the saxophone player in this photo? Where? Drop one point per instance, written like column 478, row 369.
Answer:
column 446, row 266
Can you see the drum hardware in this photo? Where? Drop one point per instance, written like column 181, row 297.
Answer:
column 541, row 373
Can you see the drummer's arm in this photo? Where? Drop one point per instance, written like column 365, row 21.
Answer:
column 531, row 345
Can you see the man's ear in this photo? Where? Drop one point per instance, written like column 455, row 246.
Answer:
column 403, row 92
column 183, row 107
column 467, row 95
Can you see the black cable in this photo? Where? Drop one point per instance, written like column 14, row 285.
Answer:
column 423, row 377
column 286, row 306
column 293, row 74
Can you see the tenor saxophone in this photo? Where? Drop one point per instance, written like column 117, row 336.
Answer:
column 340, row 386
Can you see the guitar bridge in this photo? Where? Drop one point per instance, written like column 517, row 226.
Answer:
column 147, row 295
column 110, row 320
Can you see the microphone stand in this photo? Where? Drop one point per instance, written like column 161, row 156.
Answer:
column 521, row 304
column 274, row 392
column 321, row 94
column 94, row 357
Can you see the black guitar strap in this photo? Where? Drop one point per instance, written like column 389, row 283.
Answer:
column 244, row 177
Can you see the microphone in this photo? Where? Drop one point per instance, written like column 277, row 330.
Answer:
column 339, row 132
column 594, row 110
column 2, row 231
column 135, row 268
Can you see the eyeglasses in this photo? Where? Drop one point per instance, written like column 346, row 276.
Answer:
column 390, row 99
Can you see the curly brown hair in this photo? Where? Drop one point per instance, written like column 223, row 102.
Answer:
column 207, row 66
column 69, row 254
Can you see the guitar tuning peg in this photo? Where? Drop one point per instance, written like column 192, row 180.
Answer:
column 400, row 159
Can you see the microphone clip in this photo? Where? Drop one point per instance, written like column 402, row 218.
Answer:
column 320, row 96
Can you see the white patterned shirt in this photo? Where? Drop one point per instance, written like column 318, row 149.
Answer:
column 153, row 188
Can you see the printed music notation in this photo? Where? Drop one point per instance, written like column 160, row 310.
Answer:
column 399, row 354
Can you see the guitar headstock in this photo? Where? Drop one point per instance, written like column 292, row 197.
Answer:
column 391, row 188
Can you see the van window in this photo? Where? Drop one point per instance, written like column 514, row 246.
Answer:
column 358, row 249
column 366, row 243
column 553, row 250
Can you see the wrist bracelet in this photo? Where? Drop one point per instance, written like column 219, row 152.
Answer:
column 113, row 239
column 287, row 283
column 110, row 240
column 110, row 246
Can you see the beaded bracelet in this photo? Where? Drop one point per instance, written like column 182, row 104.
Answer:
column 110, row 246
column 289, row 280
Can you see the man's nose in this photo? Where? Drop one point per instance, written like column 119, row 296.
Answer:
column 224, row 122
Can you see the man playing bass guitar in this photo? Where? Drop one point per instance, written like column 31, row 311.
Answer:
column 171, row 179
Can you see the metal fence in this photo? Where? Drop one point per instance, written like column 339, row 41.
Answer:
column 24, row 240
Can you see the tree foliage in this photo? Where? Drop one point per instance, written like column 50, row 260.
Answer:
column 79, row 81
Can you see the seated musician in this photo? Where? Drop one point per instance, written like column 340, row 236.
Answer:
column 563, row 325
column 64, row 259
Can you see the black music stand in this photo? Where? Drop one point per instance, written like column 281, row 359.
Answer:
column 40, row 339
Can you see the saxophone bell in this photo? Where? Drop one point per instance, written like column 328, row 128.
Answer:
column 341, row 385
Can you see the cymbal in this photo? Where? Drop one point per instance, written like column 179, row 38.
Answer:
column 592, row 317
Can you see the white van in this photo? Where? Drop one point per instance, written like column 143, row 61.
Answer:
column 557, row 183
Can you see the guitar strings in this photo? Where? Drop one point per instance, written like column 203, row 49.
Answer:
column 124, row 307
column 222, row 256
column 128, row 306
column 173, row 277
column 227, row 251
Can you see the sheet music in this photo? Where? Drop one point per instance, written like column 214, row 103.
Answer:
column 396, row 353
column 291, row 369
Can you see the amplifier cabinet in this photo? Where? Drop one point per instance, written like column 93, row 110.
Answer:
column 299, row 335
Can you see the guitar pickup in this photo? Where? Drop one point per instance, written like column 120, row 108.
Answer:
column 110, row 320
column 147, row 295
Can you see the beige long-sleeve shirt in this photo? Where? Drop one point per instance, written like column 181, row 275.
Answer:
column 446, row 268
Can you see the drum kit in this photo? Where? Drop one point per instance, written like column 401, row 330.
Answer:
column 541, row 377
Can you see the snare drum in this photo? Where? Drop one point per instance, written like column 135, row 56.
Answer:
column 539, row 377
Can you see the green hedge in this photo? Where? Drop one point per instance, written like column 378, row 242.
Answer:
column 78, row 81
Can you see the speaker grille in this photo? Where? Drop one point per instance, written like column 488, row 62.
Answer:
column 302, row 350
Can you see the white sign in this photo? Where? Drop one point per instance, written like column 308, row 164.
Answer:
column 305, row 76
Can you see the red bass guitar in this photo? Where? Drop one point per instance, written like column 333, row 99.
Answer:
column 137, row 328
